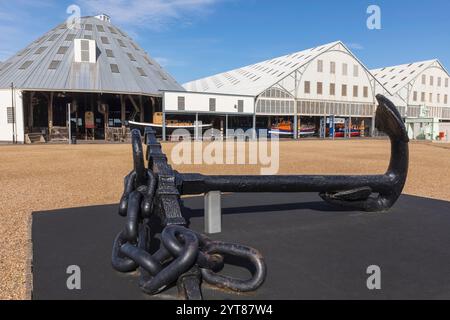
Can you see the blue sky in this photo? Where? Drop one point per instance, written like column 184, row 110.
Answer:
column 197, row 38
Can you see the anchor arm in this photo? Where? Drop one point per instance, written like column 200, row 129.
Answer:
column 369, row 193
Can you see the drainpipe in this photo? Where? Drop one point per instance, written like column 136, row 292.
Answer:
column 14, row 133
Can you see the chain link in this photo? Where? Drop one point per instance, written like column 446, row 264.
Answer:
column 184, row 257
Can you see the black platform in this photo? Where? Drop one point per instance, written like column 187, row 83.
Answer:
column 312, row 250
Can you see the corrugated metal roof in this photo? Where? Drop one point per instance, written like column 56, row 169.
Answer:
column 256, row 78
column 50, row 65
column 396, row 78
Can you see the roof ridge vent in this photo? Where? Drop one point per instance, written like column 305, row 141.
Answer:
column 104, row 17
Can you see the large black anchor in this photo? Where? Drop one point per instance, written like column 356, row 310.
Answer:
column 185, row 257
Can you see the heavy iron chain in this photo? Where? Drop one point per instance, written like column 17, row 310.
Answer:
column 184, row 257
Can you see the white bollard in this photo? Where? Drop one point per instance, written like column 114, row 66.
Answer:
column 213, row 212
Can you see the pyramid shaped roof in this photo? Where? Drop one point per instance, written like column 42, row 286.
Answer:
column 121, row 66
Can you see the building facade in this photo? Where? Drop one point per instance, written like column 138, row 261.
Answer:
column 421, row 91
column 309, row 89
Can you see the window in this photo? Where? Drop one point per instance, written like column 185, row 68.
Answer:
column 141, row 71
column 54, row 65
column 105, row 40
column 344, row 90
column 62, row 50
column 438, row 98
column 319, row 65
column 431, row 81
column 415, row 96
column 114, row 68
column 445, row 99
column 40, row 50
column 25, row 65
column 112, row 30
column 307, row 87
column 356, row 70
column 148, row 60
column 181, row 103
column 121, row 43
column 88, row 27
column 10, row 115
column 212, row 105
column 344, row 69
column 355, row 91
column 319, row 87
column 85, row 52
column 431, row 97
column 446, row 82
column 240, row 106
column 366, row 92
column 54, row 37
column 332, row 89
column 422, row 97
column 70, row 37
column 100, row 28
column 332, row 67
column 87, row 37
column 132, row 58
column 424, row 79
column 439, row 82
column 109, row 53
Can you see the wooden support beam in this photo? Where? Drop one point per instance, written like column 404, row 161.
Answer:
column 31, row 113
column 141, row 106
column 50, row 114
column 122, row 110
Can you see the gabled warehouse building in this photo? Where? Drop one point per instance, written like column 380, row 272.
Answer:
column 96, row 73
column 309, row 88
column 421, row 92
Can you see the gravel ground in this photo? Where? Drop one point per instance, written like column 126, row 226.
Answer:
column 48, row 177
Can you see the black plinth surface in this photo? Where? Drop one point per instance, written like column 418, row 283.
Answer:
column 312, row 250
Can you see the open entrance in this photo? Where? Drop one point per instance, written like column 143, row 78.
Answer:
column 93, row 116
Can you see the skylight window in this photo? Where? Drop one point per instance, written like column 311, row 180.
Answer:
column 114, row 68
column 70, row 37
column 148, row 60
column 132, row 58
column 110, row 53
column 54, row 37
column 141, row 72
column 25, row 65
column 54, row 64
column 163, row 76
column 24, row 52
column 62, row 50
column 40, row 50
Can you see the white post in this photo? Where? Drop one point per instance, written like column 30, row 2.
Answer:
column 213, row 212
column 69, row 107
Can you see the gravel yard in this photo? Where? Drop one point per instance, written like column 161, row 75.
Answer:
column 48, row 177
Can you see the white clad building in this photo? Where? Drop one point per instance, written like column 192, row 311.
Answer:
column 307, row 86
column 422, row 93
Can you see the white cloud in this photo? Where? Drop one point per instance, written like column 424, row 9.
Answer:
column 151, row 14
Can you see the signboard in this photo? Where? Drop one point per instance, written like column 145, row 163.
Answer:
column 89, row 120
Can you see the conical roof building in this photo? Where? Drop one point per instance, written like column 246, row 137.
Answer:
column 92, row 68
